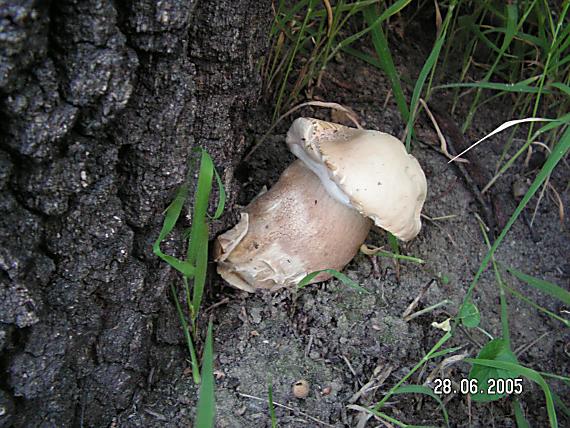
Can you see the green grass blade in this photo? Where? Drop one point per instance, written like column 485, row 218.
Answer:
column 525, row 299
column 553, row 124
column 381, row 415
column 564, row 120
column 511, row 31
column 206, row 408
column 445, row 352
column 201, row 241
column 271, row 405
column 222, row 197
column 288, row 16
column 431, row 354
column 564, row 379
column 542, row 285
column 187, row 336
column 549, row 57
column 561, row 87
column 363, row 56
column 350, row 7
column 519, row 87
column 519, row 415
column 512, row 13
column 530, row 374
column 336, row 274
column 392, row 10
column 389, row 255
column 292, row 56
column 561, row 405
column 201, row 201
column 198, row 246
column 386, row 61
column 420, row 389
column 502, row 296
column 426, row 69
column 172, row 214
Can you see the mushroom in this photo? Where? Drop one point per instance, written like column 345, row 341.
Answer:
column 322, row 207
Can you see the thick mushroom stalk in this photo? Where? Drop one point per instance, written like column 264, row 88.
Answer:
column 291, row 230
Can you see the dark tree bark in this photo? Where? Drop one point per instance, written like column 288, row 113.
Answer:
column 101, row 104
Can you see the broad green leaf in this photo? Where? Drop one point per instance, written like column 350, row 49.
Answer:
column 469, row 315
column 394, row 244
column 495, row 350
column 518, row 370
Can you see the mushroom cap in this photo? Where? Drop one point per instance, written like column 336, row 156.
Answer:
column 368, row 170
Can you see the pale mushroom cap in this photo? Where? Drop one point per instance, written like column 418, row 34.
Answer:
column 293, row 229
column 368, row 170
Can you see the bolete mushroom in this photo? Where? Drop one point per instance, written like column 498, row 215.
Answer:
column 319, row 212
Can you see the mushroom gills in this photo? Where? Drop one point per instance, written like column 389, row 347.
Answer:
column 293, row 229
column 322, row 172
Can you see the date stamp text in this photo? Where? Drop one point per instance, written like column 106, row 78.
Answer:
column 444, row 386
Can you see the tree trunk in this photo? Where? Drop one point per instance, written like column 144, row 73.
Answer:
column 101, row 105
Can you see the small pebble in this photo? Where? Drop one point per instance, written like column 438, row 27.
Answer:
column 301, row 388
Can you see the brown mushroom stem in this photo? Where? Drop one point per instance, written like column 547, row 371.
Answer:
column 293, row 229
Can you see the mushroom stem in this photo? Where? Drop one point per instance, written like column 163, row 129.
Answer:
column 293, row 229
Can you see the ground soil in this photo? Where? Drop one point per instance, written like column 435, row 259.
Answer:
column 339, row 340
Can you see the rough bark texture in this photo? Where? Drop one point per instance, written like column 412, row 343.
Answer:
column 101, row 105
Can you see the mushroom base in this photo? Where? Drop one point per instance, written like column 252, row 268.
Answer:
column 293, row 229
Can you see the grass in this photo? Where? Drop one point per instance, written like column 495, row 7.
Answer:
column 206, row 408
column 335, row 274
column 193, row 269
column 518, row 51
column 271, row 405
column 312, row 35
